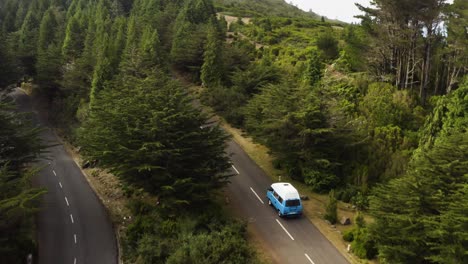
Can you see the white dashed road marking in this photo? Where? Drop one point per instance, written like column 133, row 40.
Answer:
column 307, row 256
column 74, row 237
column 54, row 173
column 71, row 217
column 257, row 195
column 235, row 169
column 66, row 200
column 292, row 238
column 60, row 185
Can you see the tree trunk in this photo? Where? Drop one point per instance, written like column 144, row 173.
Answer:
column 427, row 65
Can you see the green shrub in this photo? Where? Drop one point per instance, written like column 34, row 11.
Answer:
column 347, row 193
column 348, row 236
column 360, row 200
column 319, row 181
column 363, row 246
column 331, row 213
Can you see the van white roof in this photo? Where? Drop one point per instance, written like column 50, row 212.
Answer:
column 286, row 190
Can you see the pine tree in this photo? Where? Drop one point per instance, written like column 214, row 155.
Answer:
column 150, row 49
column 146, row 131
column 451, row 231
column 187, row 45
column 49, row 48
column 211, row 71
column 73, row 43
column 199, row 11
column 412, row 213
column 192, row 27
column 19, row 144
column 331, row 210
column 27, row 42
column 8, row 66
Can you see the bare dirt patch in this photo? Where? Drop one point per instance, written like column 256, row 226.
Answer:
column 232, row 19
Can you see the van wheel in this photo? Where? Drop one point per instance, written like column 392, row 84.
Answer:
column 279, row 213
column 269, row 202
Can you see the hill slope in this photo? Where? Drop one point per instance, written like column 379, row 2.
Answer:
column 262, row 8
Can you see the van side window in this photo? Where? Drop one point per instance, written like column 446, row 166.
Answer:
column 280, row 199
column 276, row 195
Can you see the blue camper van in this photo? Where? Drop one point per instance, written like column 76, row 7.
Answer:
column 285, row 199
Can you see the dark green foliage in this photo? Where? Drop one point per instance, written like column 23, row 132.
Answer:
column 193, row 23
column 356, row 47
column 27, row 41
column 204, row 237
column 146, row 131
column 411, row 212
column 226, row 101
column 331, row 210
column 199, row 11
column 187, row 47
column 238, row 56
column 48, row 65
column 18, row 205
column 226, row 245
column 313, row 72
column 297, row 135
column 452, row 230
column 19, row 144
column 8, row 66
column 449, row 116
column 245, row 84
column 362, row 244
column 211, row 70
column 348, row 236
column 328, row 44
column 378, row 106
column 73, row 43
column 256, row 76
column 286, row 78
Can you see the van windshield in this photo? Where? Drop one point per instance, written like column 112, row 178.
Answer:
column 291, row 203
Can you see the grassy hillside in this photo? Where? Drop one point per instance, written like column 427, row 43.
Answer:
column 261, row 8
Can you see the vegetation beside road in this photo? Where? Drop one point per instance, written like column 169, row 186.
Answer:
column 19, row 147
column 344, row 109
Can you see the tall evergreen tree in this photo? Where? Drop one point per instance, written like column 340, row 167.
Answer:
column 412, row 212
column 48, row 66
column 212, row 68
column 73, row 43
column 146, row 131
column 19, row 144
column 8, row 67
column 27, row 40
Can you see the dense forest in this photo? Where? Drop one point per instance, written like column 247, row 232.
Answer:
column 19, row 145
column 374, row 113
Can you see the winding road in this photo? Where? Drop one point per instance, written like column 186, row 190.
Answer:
column 73, row 225
column 294, row 241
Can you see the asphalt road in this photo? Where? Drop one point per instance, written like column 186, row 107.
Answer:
column 73, row 225
column 294, row 240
